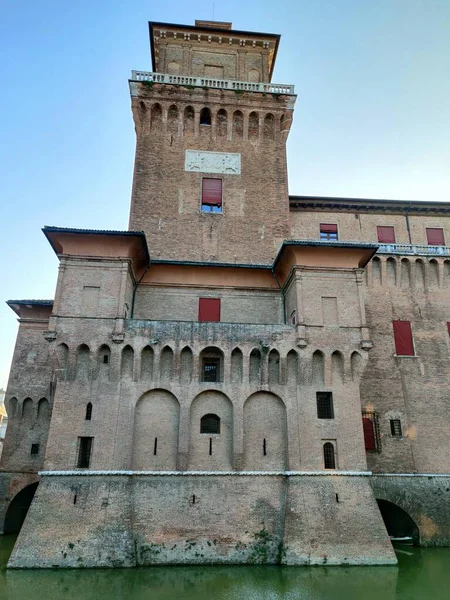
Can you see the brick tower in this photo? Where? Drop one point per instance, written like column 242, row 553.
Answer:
column 210, row 177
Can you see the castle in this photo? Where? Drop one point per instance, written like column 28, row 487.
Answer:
column 242, row 376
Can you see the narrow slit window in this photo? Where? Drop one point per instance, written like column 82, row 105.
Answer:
column 88, row 415
column 210, row 446
column 211, row 195
column 329, row 456
column 264, row 447
column 325, row 409
column 396, row 428
column 210, row 424
column 84, row 452
column 155, row 447
column 34, row 449
column 328, row 231
column 105, row 359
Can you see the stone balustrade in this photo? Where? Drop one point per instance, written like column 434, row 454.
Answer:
column 222, row 84
column 414, row 249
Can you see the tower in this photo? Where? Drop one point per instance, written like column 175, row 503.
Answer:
column 210, row 177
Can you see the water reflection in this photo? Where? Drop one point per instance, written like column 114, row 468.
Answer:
column 422, row 574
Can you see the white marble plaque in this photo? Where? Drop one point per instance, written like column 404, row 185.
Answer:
column 212, row 162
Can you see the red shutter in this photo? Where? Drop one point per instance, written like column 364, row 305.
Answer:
column 403, row 338
column 212, row 192
column 435, row 236
column 328, row 228
column 209, row 309
column 386, row 235
column 369, row 434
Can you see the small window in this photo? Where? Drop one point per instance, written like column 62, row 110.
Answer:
column 211, row 195
column 325, row 405
column 293, row 317
column 328, row 231
column 34, row 449
column 435, row 236
column 386, row 235
column 211, row 369
column 105, row 359
column 329, row 456
column 369, row 434
column 205, row 116
column 209, row 309
column 404, row 345
column 84, row 452
column 396, row 428
column 88, row 415
column 210, row 424
column 448, row 327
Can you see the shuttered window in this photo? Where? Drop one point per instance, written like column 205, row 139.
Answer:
column 328, row 231
column 435, row 236
column 209, row 309
column 211, row 194
column 386, row 235
column 404, row 345
column 369, row 434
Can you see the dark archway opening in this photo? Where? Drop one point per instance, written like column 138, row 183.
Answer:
column 17, row 510
column 398, row 523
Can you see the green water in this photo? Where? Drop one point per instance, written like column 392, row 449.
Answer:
column 422, row 573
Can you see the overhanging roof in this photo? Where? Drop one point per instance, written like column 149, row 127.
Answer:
column 369, row 205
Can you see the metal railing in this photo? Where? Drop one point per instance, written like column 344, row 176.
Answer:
column 221, row 84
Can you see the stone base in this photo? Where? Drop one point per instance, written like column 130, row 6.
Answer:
column 139, row 519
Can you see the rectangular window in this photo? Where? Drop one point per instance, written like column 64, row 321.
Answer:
column 84, row 452
column 404, row 345
column 211, row 195
column 435, row 236
column 209, row 309
column 396, row 428
column 328, row 231
column 211, row 369
column 34, row 449
column 324, row 405
column 371, row 430
column 386, row 235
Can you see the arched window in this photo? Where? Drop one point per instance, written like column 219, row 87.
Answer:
column 329, row 456
column 210, row 424
column 88, row 416
column 205, row 116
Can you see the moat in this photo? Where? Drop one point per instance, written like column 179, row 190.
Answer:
column 422, row 573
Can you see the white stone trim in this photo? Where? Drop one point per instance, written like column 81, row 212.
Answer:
column 208, row 473
column 411, row 474
column 204, row 161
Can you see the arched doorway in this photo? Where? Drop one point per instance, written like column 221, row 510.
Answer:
column 398, row 522
column 18, row 508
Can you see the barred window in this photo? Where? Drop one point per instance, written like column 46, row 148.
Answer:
column 211, row 369
column 325, row 408
column 396, row 428
column 329, row 456
column 210, row 424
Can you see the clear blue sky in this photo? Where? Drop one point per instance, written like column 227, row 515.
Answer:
column 372, row 116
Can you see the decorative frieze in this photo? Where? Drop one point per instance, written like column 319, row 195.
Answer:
column 212, row 162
